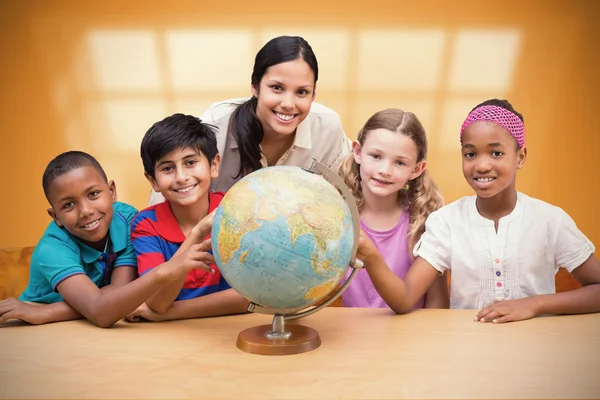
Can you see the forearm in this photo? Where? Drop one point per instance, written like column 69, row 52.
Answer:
column 165, row 296
column 579, row 301
column 226, row 302
column 61, row 311
column 392, row 289
column 118, row 279
column 112, row 305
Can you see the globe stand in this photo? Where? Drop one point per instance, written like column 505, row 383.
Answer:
column 278, row 339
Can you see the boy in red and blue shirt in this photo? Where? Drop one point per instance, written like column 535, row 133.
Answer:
column 180, row 158
column 157, row 237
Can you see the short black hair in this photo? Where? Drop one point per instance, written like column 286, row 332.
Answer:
column 501, row 103
column 66, row 162
column 177, row 132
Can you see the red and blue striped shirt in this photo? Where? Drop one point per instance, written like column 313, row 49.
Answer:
column 156, row 236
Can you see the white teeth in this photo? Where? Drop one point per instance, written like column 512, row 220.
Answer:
column 92, row 224
column 382, row 181
column 484, row 180
column 284, row 117
column 184, row 190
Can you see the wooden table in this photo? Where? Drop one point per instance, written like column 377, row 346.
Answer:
column 365, row 353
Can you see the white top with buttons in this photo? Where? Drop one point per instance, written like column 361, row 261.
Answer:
column 519, row 260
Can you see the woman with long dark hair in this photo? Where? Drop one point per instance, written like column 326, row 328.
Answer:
column 280, row 124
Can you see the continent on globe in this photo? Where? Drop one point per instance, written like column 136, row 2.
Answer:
column 283, row 237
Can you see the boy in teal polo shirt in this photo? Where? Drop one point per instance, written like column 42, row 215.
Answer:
column 60, row 255
column 84, row 265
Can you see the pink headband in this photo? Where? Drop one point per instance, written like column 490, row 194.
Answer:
column 499, row 116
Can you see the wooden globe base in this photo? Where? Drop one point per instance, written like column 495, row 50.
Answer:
column 303, row 339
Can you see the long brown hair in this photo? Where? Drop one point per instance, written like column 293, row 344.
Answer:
column 423, row 195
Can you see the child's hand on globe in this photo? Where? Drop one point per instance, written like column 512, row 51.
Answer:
column 203, row 228
column 366, row 248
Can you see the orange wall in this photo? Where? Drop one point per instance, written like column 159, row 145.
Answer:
column 95, row 75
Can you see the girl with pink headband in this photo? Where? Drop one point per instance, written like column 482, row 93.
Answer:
column 502, row 246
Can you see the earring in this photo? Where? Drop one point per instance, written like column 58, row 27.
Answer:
column 406, row 187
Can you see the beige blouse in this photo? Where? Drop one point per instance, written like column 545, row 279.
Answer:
column 319, row 136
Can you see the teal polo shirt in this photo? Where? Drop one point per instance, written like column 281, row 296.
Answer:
column 60, row 255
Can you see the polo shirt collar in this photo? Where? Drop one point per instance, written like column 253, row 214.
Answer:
column 117, row 233
column 88, row 254
column 167, row 225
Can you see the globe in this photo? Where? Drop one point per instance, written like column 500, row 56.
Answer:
column 283, row 238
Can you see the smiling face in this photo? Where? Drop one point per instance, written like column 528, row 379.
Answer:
column 285, row 94
column 82, row 203
column 491, row 158
column 183, row 176
column 388, row 160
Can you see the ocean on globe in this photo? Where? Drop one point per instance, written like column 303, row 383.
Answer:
column 282, row 237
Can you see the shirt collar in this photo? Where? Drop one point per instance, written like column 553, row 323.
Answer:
column 233, row 144
column 302, row 139
column 480, row 220
column 88, row 254
column 167, row 225
column 117, row 233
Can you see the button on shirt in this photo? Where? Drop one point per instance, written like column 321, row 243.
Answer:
column 519, row 260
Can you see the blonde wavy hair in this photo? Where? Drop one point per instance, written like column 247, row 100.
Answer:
column 422, row 196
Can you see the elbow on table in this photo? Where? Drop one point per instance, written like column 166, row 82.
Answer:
column 158, row 307
column 102, row 315
column 103, row 321
column 401, row 308
column 99, row 315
